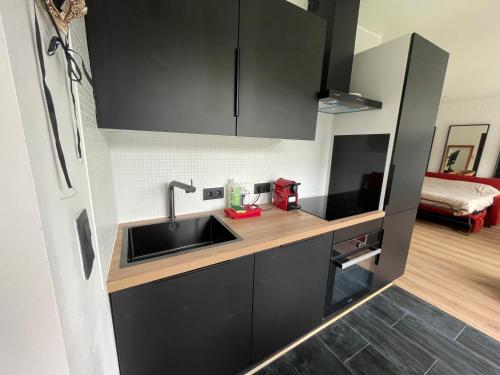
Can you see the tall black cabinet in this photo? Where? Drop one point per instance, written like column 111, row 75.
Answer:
column 425, row 72
column 398, row 229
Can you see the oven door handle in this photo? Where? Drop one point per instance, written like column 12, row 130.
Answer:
column 346, row 264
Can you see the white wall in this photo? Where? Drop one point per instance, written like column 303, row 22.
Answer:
column 299, row 3
column 97, row 158
column 366, row 39
column 143, row 163
column 31, row 339
column 377, row 73
column 482, row 111
column 83, row 305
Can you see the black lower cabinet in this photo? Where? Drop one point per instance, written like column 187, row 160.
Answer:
column 398, row 229
column 289, row 293
column 196, row 323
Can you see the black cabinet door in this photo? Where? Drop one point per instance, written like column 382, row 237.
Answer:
column 289, row 293
column 164, row 65
column 419, row 106
column 356, row 230
column 197, row 323
column 281, row 54
column 398, row 229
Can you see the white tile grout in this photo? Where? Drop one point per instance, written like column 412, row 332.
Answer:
column 327, row 347
column 143, row 163
column 458, row 334
column 355, row 354
column 405, row 315
column 429, row 369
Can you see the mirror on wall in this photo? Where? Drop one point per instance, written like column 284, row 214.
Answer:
column 463, row 148
column 496, row 174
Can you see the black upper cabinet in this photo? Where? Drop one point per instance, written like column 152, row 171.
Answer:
column 195, row 323
column 289, row 293
column 170, row 65
column 281, row 54
column 426, row 69
column 164, row 65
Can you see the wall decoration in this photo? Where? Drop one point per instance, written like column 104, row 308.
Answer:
column 63, row 12
column 464, row 148
column 496, row 173
column 457, row 158
column 60, row 17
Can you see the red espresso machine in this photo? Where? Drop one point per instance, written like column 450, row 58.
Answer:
column 285, row 195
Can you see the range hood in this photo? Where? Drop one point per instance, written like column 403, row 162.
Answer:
column 342, row 21
column 341, row 102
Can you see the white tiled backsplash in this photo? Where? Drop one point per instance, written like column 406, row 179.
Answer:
column 143, row 163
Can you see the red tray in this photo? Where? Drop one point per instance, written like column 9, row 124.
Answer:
column 250, row 211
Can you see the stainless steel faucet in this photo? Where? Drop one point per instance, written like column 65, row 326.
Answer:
column 171, row 194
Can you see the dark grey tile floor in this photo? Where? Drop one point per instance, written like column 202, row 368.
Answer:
column 394, row 333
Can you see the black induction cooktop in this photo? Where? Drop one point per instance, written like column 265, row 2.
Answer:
column 337, row 206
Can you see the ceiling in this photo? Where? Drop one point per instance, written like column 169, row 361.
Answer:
column 468, row 29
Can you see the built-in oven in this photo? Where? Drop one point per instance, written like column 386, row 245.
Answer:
column 352, row 270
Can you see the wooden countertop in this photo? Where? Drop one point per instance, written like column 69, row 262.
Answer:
column 273, row 228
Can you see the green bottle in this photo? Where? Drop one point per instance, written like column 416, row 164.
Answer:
column 234, row 190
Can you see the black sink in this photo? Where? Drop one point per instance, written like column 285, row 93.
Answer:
column 174, row 237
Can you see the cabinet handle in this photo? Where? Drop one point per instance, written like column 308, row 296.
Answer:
column 237, row 83
column 160, row 281
column 352, row 262
column 388, row 186
column 305, row 239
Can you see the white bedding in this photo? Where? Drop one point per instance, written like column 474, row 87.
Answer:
column 462, row 197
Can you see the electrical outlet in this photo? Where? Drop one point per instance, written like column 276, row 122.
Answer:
column 262, row 188
column 213, row 193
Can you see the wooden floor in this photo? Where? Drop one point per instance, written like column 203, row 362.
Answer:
column 457, row 273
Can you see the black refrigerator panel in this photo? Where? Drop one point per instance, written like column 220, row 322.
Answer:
column 164, row 65
column 398, row 229
column 422, row 89
column 280, row 62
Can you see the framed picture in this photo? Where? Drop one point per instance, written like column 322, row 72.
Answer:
column 457, row 158
column 496, row 173
column 464, row 148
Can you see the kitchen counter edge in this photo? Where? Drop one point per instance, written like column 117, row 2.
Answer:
column 274, row 228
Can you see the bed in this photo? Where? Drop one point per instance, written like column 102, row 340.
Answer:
column 465, row 200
